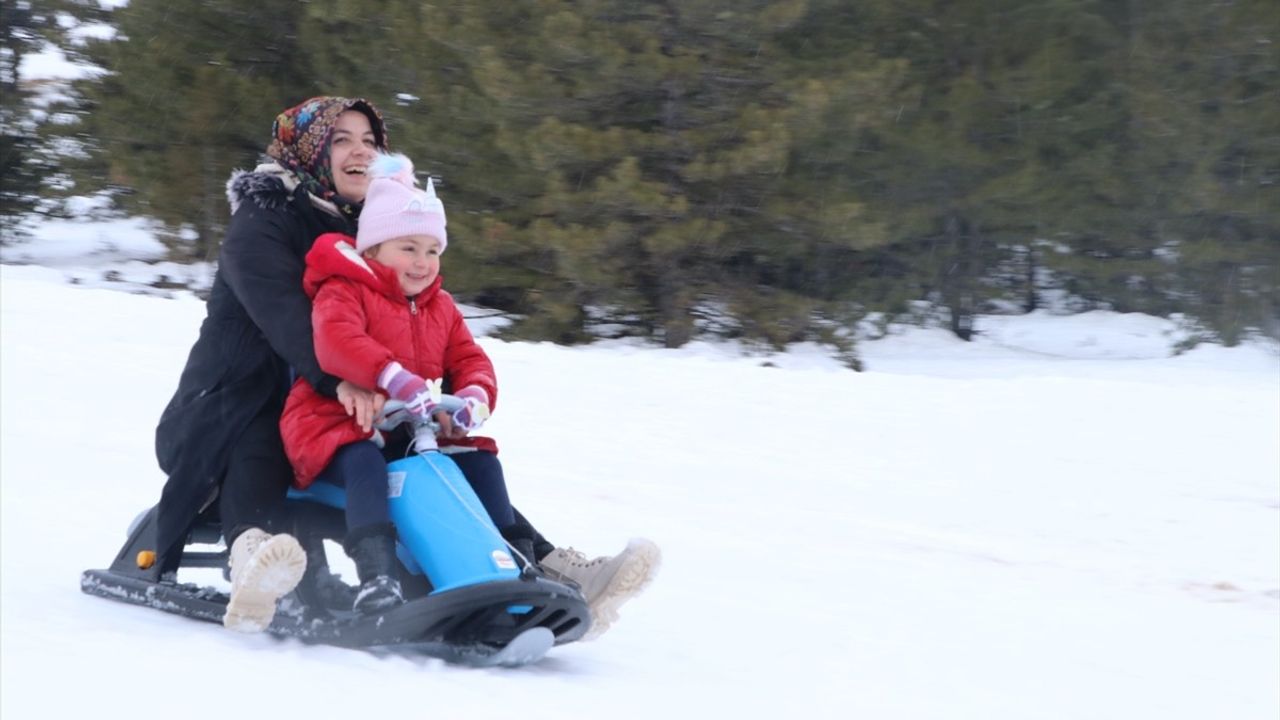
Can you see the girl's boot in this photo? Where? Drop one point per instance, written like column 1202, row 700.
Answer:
column 520, row 539
column 373, row 548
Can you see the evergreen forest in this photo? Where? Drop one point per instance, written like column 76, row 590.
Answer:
column 769, row 170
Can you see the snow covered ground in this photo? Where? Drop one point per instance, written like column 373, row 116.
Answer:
column 1055, row 521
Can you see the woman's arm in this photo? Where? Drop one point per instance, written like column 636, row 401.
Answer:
column 343, row 344
column 261, row 261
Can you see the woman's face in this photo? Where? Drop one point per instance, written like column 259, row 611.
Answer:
column 351, row 149
column 415, row 258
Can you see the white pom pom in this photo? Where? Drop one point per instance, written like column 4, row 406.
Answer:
column 395, row 166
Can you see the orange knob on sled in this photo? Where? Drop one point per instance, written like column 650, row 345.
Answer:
column 146, row 558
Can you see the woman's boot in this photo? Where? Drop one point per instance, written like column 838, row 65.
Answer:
column 373, row 548
column 263, row 569
column 606, row 582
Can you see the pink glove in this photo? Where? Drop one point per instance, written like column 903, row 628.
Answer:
column 419, row 396
column 475, row 412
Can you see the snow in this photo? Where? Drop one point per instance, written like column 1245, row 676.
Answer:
column 49, row 63
column 1059, row 520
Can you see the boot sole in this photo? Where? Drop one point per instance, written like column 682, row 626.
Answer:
column 643, row 560
column 274, row 570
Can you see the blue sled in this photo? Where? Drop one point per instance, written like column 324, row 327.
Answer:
column 443, row 528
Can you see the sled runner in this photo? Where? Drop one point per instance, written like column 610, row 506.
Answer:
column 466, row 598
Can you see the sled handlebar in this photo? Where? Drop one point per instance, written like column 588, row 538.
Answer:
column 394, row 413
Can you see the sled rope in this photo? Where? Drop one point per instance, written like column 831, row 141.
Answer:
column 483, row 520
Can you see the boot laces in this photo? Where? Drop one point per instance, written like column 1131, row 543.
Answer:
column 254, row 538
column 579, row 558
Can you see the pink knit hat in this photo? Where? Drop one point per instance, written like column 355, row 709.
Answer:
column 394, row 206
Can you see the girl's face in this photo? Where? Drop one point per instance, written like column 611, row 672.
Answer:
column 351, row 148
column 415, row 258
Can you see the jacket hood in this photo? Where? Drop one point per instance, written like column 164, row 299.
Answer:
column 334, row 255
column 269, row 186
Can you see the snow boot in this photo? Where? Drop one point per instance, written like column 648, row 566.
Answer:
column 373, row 549
column 521, row 542
column 606, row 582
column 330, row 589
column 263, row 568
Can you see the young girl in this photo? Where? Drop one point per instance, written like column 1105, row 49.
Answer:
column 381, row 319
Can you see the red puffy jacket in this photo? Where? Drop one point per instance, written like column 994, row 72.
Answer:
column 362, row 321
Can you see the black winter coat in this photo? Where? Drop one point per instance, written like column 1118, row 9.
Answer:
column 258, row 326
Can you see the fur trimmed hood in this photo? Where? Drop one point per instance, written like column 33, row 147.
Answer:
column 269, row 186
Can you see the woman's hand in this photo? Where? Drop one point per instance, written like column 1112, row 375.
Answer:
column 364, row 405
column 470, row 416
column 448, row 430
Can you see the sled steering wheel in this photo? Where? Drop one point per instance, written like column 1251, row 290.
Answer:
column 395, row 412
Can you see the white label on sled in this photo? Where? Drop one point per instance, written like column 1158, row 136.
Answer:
column 395, row 484
column 503, row 560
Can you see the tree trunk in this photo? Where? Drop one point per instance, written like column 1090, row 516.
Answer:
column 957, row 281
column 1030, row 300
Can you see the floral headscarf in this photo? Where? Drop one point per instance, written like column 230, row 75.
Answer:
column 300, row 142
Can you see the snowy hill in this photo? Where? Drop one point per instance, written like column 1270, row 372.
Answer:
column 1056, row 521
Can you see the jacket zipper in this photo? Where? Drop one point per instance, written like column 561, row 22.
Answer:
column 413, row 330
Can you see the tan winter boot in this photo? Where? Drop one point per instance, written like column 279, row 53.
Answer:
column 263, row 569
column 606, row 582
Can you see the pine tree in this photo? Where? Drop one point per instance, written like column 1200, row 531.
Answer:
column 1205, row 94
column 646, row 153
column 192, row 88
column 25, row 158
column 17, row 194
column 419, row 74
column 1002, row 138
column 762, row 169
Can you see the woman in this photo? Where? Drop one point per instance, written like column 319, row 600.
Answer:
column 219, row 436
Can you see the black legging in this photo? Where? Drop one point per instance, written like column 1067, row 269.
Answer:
column 361, row 469
column 257, row 479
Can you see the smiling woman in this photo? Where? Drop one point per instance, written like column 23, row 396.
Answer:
column 326, row 144
column 219, row 436
column 350, row 152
